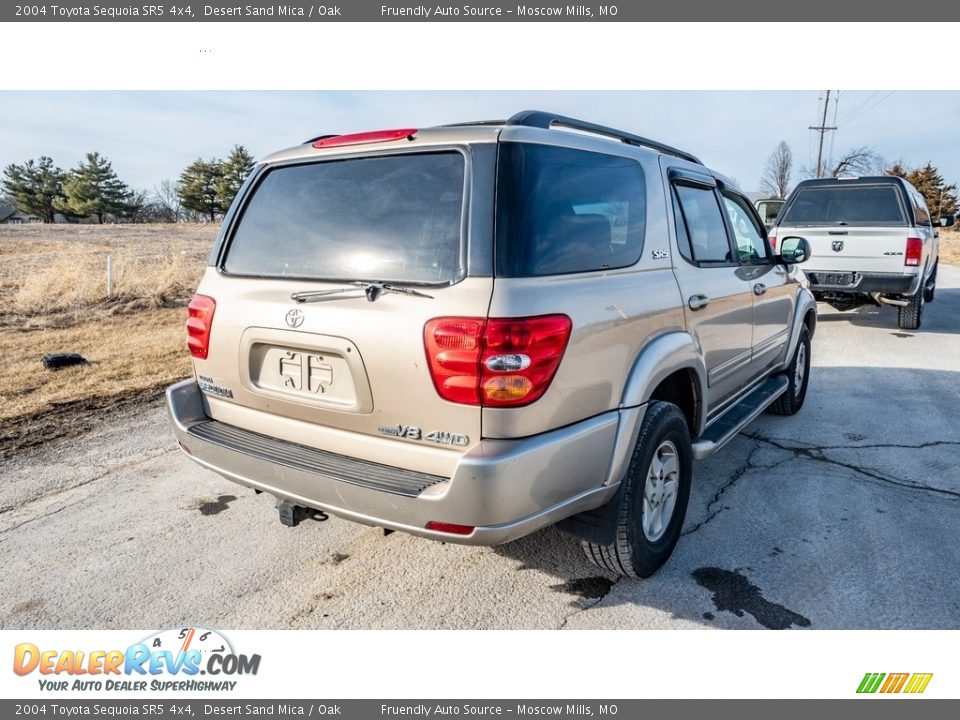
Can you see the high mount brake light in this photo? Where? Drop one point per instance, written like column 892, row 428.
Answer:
column 199, row 323
column 495, row 362
column 363, row 138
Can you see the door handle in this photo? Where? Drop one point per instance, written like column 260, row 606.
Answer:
column 759, row 289
column 698, row 302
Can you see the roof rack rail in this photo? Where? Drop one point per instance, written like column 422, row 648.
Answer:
column 546, row 120
column 474, row 123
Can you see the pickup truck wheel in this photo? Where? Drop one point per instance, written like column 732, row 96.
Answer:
column 798, row 375
column 654, row 501
column 910, row 316
column 930, row 288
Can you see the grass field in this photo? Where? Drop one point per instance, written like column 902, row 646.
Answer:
column 950, row 246
column 54, row 298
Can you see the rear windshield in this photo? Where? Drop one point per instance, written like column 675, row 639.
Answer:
column 566, row 211
column 392, row 218
column 845, row 205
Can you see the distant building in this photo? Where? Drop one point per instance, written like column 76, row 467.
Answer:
column 7, row 211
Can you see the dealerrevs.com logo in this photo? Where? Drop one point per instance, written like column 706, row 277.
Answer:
column 168, row 660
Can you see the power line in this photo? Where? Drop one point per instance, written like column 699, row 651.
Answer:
column 864, row 111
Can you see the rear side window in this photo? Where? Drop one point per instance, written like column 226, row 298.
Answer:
column 920, row 211
column 845, row 205
column 392, row 218
column 566, row 211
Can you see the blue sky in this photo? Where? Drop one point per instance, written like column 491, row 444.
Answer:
column 150, row 136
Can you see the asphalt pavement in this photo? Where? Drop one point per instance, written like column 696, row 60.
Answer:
column 846, row 515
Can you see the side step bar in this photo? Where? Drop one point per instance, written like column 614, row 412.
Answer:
column 726, row 427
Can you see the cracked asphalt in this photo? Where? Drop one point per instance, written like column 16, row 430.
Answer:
column 844, row 516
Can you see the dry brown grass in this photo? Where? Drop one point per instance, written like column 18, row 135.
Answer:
column 950, row 246
column 53, row 299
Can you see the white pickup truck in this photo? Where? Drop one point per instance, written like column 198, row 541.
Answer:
column 872, row 241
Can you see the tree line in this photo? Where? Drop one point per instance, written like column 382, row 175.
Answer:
column 942, row 198
column 93, row 191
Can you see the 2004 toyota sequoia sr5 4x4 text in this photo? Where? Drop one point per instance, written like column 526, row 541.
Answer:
column 472, row 332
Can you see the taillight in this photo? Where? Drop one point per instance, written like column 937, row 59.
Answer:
column 199, row 321
column 496, row 362
column 914, row 252
column 773, row 242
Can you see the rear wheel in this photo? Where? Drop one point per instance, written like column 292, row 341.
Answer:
column 654, row 498
column 798, row 375
column 910, row 316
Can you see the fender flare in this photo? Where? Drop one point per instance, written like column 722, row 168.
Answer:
column 660, row 358
column 805, row 303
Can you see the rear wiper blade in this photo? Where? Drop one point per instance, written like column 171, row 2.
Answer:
column 372, row 290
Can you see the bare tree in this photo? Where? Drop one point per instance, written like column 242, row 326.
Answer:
column 167, row 195
column 775, row 181
column 861, row 160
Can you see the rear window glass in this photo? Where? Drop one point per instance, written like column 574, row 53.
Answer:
column 565, row 211
column 394, row 218
column 851, row 205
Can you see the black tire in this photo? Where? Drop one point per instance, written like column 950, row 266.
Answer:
column 930, row 289
column 910, row 316
column 633, row 554
column 792, row 399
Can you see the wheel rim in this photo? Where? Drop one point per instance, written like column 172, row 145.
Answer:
column 660, row 491
column 800, row 369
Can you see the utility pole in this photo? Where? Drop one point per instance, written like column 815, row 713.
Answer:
column 822, row 128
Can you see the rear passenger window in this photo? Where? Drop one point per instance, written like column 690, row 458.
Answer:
column 703, row 224
column 565, row 211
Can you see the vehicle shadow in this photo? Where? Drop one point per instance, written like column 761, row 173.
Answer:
column 800, row 522
column 940, row 316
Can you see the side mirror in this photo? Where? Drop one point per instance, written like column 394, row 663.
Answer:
column 948, row 220
column 794, row 250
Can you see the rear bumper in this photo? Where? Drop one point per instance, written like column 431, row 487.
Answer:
column 505, row 489
column 824, row 281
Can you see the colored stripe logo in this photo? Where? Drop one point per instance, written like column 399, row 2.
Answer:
column 913, row 683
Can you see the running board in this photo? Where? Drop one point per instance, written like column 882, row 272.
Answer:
column 726, row 427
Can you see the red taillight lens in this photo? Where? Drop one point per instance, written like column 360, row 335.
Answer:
column 914, row 252
column 366, row 137
column 773, row 242
column 496, row 362
column 199, row 321
column 450, row 528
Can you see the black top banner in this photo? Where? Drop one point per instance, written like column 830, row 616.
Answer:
column 486, row 11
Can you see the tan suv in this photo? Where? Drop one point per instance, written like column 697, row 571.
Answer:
column 471, row 332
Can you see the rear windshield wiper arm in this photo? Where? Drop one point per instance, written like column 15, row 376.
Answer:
column 372, row 290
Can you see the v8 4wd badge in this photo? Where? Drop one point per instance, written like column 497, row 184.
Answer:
column 412, row 432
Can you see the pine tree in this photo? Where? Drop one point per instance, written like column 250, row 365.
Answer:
column 238, row 165
column 941, row 198
column 93, row 189
column 35, row 186
column 197, row 187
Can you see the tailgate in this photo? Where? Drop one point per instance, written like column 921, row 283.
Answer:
column 347, row 368
column 853, row 249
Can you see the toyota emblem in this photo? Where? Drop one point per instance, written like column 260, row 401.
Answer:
column 295, row 318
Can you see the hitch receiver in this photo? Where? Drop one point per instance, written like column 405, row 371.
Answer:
column 293, row 515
